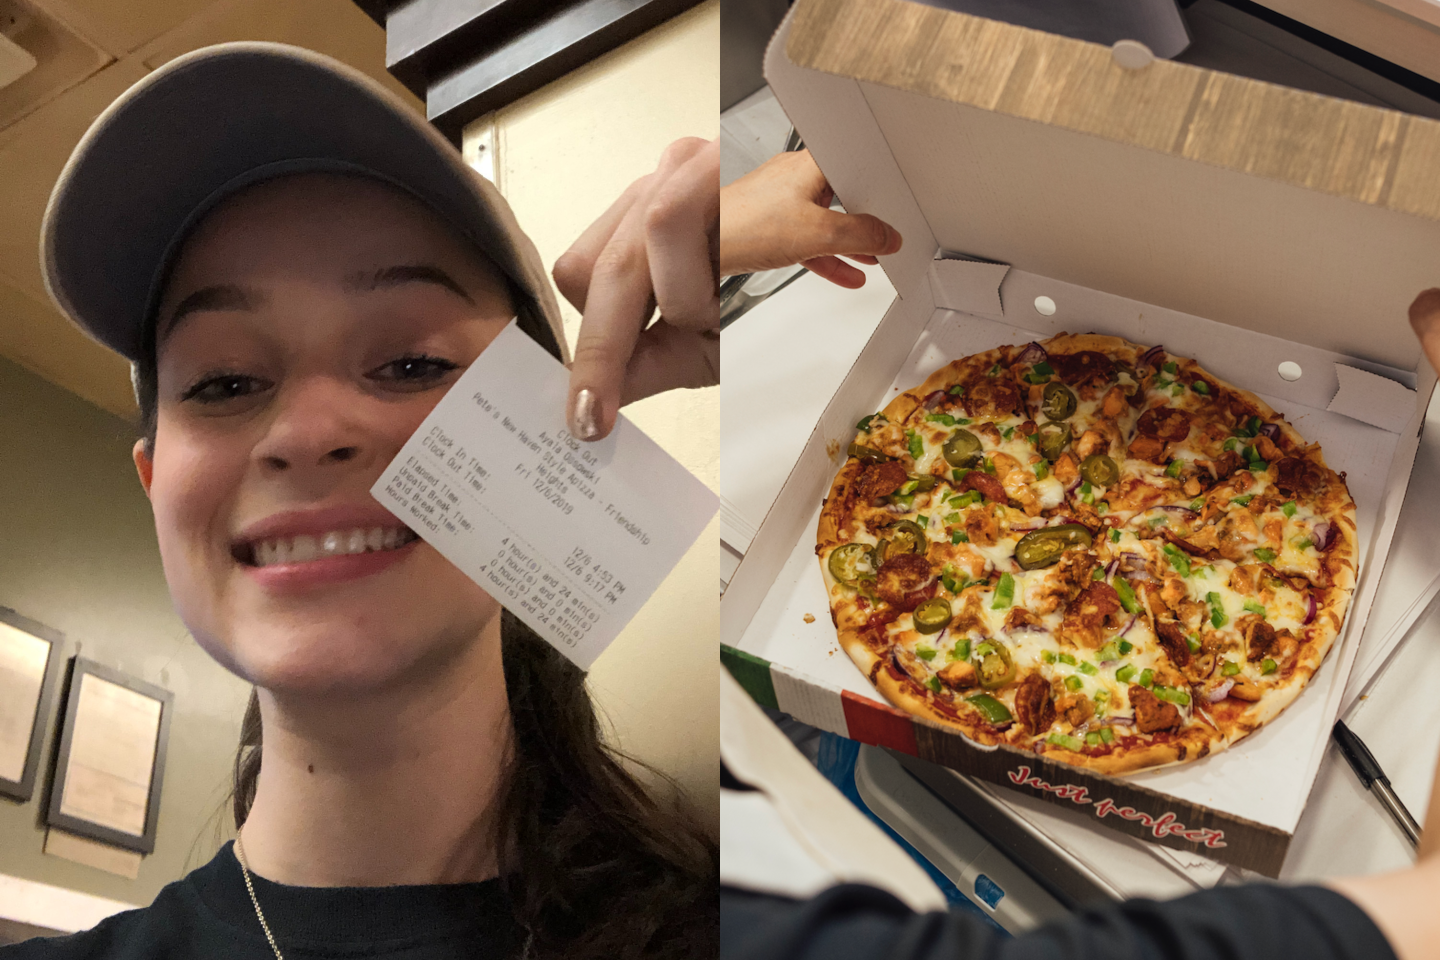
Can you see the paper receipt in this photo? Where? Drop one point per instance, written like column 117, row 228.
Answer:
column 571, row 537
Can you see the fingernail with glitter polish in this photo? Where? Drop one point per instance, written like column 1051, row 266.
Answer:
column 582, row 416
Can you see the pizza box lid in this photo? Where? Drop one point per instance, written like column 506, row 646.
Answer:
column 981, row 142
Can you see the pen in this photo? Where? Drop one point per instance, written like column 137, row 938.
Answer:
column 1374, row 779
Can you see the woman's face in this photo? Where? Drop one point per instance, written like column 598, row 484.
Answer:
column 309, row 326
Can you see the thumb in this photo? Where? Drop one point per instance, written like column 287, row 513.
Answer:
column 835, row 233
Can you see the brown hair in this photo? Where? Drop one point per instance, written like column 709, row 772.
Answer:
column 594, row 865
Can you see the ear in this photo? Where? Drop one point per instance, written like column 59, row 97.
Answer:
column 143, row 465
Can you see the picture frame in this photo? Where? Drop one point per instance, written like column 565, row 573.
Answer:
column 110, row 764
column 29, row 665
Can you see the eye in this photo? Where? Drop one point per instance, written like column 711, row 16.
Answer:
column 418, row 370
column 222, row 387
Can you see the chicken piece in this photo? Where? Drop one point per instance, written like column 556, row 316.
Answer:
column 1019, row 618
column 1285, row 647
column 1237, row 533
column 1090, row 614
column 960, row 675
column 1294, row 475
column 1259, row 636
column 971, row 616
column 1062, row 583
column 1205, row 538
column 961, row 557
column 987, row 431
column 1274, row 531
column 980, row 525
column 1016, row 481
column 1246, row 690
column 1075, row 708
column 1267, row 449
column 1172, row 639
column 1192, row 486
column 1151, row 713
column 1147, row 448
column 1240, row 581
column 1067, row 468
column 1033, row 706
column 1114, row 403
column 1090, row 443
column 1173, row 592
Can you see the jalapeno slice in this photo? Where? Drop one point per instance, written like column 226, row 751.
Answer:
column 991, row 709
column 932, row 616
column 1100, row 470
column 922, row 481
column 1058, row 401
column 1041, row 548
column 1052, row 438
column 996, row 667
column 851, row 561
column 866, row 454
column 907, row 536
column 962, row 449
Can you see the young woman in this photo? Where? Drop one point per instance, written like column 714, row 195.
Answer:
column 298, row 270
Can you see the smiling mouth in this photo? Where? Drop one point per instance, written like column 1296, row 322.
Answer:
column 304, row 548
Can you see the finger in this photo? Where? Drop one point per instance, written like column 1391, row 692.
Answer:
column 572, row 271
column 829, row 232
column 861, row 258
column 617, row 307
column 667, row 358
column 1425, row 320
column 682, row 227
column 835, row 270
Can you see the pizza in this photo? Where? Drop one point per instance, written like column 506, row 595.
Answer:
column 1088, row 549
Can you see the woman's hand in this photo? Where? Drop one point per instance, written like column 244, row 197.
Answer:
column 779, row 214
column 657, row 246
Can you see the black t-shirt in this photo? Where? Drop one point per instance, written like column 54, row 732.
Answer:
column 209, row 914
column 1254, row 922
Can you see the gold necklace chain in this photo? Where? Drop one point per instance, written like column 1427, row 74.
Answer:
column 260, row 914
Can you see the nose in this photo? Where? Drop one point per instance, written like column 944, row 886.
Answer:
column 316, row 423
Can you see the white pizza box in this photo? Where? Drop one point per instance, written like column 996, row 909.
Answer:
column 1236, row 222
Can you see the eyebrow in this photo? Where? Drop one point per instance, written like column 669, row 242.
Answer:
column 401, row 274
column 225, row 296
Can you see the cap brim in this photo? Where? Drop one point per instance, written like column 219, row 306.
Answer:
column 215, row 119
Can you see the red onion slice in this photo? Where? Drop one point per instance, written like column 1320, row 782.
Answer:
column 933, row 400
column 1220, row 692
column 1322, row 534
column 1153, row 357
column 1134, row 563
column 1032, row 354
column 1110, row 568
column 1133, row 618
column 1185, row 512
column 1271, row 430
column 1310, row 609
column 1002, row 727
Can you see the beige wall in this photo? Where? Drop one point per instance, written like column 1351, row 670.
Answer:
column 79, row 555
column 562, row 155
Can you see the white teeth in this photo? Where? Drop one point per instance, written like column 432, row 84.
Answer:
column 302, row 548
column 305, row 547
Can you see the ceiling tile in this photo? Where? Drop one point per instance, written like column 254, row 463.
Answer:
column 63, row 56
column 122, row 27
column 35, row 336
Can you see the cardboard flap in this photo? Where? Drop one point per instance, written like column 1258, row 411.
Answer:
column 1372, row 399
column 1287, row 213
column 968, row 286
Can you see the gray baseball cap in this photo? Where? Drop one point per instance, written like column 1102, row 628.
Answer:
column 219, row 119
